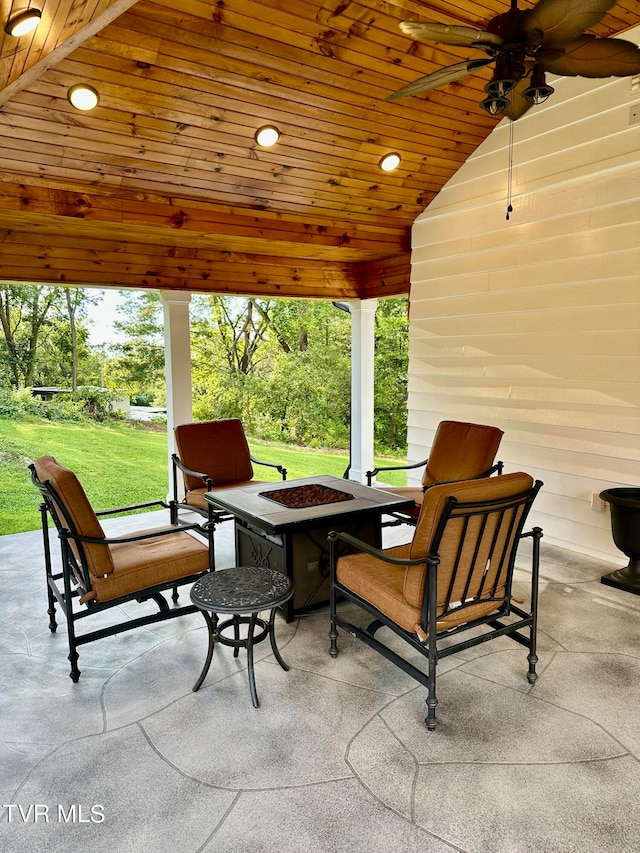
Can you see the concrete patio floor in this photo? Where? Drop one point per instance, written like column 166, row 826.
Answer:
column 337, row 757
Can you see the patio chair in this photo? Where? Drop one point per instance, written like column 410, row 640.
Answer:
column 99, row 573
column 460, row 451
column 453, row 579
column 211, row 455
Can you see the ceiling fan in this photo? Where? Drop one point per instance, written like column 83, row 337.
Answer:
column 524, row 44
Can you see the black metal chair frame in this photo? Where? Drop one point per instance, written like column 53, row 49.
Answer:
column 430, row 647
column 75, row 574
column 213, row 515
column 400, row 517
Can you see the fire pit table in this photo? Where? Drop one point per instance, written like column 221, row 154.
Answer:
column 285, row 528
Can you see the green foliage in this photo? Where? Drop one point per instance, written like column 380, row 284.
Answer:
column 86, row 403
column 391, row 368
column 120, row 464
column 117, row 464
column 302, row 398
column 26, row 312
column 15, row 404
column 281, row 365
column 44, row 338
column 294, row 388
column 138, row 364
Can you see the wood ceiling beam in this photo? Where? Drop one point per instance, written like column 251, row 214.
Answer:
column 55, row 259
column 173, row 220
column 58, row 236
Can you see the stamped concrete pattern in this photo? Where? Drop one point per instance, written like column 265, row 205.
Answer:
column 337, row 757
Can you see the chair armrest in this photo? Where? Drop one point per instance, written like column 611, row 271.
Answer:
column 372, row 474
column 279, row 468
column 135, row 537
column 178, row 463
column 133, row 506
column 359, row 545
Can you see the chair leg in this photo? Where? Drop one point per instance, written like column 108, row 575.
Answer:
column 74, row 675
column 333, row 633
column 532, row 657
column 73, row 656
column 333, row 636
column 432, row 701
column 51, row 610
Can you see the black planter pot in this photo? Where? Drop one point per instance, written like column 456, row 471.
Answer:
column 625, row 526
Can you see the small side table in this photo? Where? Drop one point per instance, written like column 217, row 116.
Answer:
column 242, row 592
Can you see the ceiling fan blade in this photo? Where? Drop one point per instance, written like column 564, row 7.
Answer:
column 589, row 56
column 446, row 34
column 439, row 78
column 564, row 20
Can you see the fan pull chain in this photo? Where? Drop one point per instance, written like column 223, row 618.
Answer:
column 510, row 171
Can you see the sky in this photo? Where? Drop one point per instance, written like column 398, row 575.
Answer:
column 101, row 329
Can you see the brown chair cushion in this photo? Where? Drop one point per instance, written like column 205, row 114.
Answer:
column 218, row 449
column 461, row 451
column 196, row 497
column 381, row 584
column 435, row 500
column 73, row 496
column 414, row 493
column 139, row 565
column 398, row 591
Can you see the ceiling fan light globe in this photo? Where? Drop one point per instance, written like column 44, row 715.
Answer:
column 499, row 88
column 495, row 106
column 538, row 91
column 538, row 94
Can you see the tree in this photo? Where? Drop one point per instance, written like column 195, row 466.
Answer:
column 391, row 368
column 138, row 363
column 25, row 316
column 65, row 357
column 241, row 325
column 283, row 366
column 77, row 301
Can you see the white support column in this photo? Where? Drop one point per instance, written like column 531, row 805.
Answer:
column 177, row 365
column 363, row 314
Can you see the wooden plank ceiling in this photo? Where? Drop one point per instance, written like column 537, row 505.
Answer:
column 163, row 185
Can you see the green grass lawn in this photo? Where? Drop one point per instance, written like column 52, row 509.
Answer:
column 120, row 464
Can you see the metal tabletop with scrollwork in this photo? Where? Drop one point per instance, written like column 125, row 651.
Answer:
column 241, row 590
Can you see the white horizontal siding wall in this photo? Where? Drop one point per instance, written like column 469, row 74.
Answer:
column 533, row 324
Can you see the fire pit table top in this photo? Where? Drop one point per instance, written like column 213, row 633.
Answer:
column 262, row 504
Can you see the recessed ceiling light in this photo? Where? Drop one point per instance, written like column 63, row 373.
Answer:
column 267, row 136
column 83, row 97
column 23, row 23
column 390, row 162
